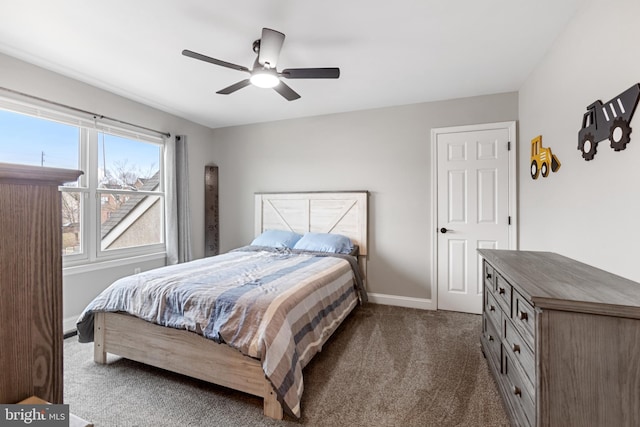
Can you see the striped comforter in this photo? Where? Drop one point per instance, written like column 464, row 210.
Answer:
column 276, row 306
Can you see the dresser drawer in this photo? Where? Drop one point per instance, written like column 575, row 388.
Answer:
column 521, row 354
column 489, row 277
column 493, row 311
column 492, row 341
column 517, row 391
column 524, row 318
column 503, row 294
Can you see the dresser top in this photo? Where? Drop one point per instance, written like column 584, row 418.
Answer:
column 25, row 174
column 552, row 281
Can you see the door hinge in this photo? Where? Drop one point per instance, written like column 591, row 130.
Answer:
column 508, row 145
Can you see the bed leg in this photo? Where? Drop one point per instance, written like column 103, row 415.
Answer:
column 272, row 408
column 99, row 354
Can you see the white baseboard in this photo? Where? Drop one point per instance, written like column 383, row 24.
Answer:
column 409, row 302
column 69, row 324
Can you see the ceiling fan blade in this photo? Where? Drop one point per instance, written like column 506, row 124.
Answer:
column 205, row 58
column 234, row 87
column 270, row 46
column 286, row 91
column 311, row 73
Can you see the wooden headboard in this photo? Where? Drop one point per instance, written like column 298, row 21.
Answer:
column 318, row 212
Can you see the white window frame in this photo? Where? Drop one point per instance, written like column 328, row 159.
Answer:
column 97, row 193
column 90, row 228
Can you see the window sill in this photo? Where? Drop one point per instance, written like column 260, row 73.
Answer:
column 101, row 265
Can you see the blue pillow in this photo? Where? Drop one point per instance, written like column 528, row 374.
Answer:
column 277, row 239
column 325, row 242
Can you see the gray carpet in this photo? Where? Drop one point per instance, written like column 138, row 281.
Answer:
column 385, row 366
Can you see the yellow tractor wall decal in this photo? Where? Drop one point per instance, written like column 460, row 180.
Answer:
column 542, row 159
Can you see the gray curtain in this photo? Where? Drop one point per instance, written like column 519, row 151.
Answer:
column 182, row 187
column 178, row 223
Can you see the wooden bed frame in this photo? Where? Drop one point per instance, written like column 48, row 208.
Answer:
column 167, row 348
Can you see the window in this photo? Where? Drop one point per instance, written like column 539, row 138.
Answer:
column 32, row 141
column 131, row 203
column 114, row 210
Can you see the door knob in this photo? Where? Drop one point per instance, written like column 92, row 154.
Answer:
column 444, row 230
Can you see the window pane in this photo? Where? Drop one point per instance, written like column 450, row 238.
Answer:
column 71, row 216
column 130, row 220
column 33, row 141
column 126, row 164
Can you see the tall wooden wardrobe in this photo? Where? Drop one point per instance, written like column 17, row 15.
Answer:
column 31, row 335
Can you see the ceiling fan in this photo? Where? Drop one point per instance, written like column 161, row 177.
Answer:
column 264, row 73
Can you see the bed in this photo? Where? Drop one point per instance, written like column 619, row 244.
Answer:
column 271, row 367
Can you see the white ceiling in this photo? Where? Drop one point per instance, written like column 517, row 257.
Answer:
column 389, row 52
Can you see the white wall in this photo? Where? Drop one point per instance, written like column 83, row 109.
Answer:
column 385, row 151
column 589, row 211
column 80, row 287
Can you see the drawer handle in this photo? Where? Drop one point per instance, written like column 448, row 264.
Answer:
column 501, row 291
column 492, row 308
column 523, row 316
column 515, row 348
column 490, row 337
column 488, row 275
column 517, row 391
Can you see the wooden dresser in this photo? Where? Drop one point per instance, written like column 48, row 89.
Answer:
column 562, row 340
column 31, row 336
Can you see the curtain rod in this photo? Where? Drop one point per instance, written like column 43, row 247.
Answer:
column 95, row 115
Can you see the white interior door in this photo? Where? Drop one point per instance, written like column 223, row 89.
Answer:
column 473, row 208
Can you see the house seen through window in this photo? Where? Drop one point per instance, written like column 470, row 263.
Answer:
column 117, row 207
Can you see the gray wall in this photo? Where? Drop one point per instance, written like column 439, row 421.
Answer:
column 587, row 210
column 385, row 151
column 80, row 285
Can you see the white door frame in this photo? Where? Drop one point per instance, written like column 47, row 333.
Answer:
column 513, row 192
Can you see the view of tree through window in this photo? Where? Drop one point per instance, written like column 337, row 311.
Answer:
column 127, row 171
column 71, row 215
column 122, row 175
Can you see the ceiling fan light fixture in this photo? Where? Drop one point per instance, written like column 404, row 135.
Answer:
column 264, row 73
column 264, row 78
